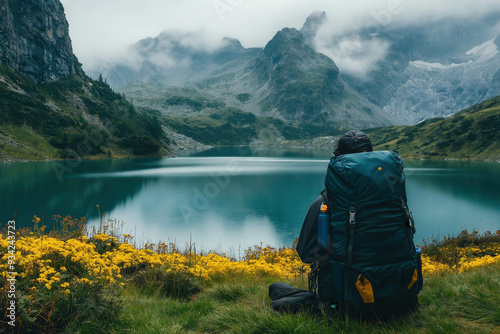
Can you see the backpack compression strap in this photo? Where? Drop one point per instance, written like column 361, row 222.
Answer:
column 409, row 215
column 313, row 277
column 350, row 245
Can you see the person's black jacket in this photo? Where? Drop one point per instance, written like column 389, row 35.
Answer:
column 307, row 246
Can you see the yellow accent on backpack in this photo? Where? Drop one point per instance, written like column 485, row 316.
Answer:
column 365, row 289
column 414, row 279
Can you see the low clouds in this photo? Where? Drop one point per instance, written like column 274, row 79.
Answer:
column 355, row 40
column 353, row 54
column 102, row 30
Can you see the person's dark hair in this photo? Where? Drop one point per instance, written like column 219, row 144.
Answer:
column 353, row 141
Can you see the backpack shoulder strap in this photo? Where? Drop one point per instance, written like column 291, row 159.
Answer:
column 313, row 275
column 409, row 215
column 324, row 194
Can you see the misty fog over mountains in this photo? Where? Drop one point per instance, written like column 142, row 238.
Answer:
column 369, row 75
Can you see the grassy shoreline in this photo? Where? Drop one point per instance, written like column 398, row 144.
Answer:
column 73, row 281
column 453, row 302
column 326, row 143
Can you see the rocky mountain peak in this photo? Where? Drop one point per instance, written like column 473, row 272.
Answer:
column 289, row 43
column 232, row 44
column 296, row 73
column 34, row 39
column 284, row 41
column 312, row 24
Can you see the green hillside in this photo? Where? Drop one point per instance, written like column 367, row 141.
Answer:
column 73, row 118
column 473, row 133
column 232, row 126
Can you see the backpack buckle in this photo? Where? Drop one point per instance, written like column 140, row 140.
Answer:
column 352, row 215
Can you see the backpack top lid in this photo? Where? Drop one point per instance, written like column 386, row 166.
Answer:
column 365, row 177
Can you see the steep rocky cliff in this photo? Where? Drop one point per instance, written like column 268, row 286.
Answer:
column 49, row 108
column 302, row 82
column 34, row 39
column 436, row 89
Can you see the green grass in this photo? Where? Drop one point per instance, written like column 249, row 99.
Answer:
column 25, row 144
column 232, row 126
column 449, row 303
column 470, row 134
column 51, row 120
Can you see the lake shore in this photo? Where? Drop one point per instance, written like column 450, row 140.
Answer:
column 185, row 144
column 100, row 282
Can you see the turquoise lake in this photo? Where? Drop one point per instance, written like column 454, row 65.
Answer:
column 228, row 199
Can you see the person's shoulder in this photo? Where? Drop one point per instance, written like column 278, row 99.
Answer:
column 324, row 195
column 320, row 199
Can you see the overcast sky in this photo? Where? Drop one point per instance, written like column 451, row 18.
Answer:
column 102, row 29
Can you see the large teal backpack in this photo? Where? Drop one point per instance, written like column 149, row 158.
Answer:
column 374, row 266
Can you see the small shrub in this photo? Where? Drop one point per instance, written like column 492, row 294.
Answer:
column 244, row 97
column 167, row 282
column 104, row 243
column 140, row 145
column 78, row 306
column 453, row 250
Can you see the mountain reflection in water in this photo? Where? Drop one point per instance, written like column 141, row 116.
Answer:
column 235, row 198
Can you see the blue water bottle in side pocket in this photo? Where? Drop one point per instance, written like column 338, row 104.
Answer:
column 323, row 226
column 419, row 268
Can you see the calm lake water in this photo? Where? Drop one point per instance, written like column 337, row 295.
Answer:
column 228, row 199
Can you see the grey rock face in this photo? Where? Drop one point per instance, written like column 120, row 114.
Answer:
column 438, row 90
column 34, row 39
column 434, row 70
column 312, row 24
column 302, row 82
